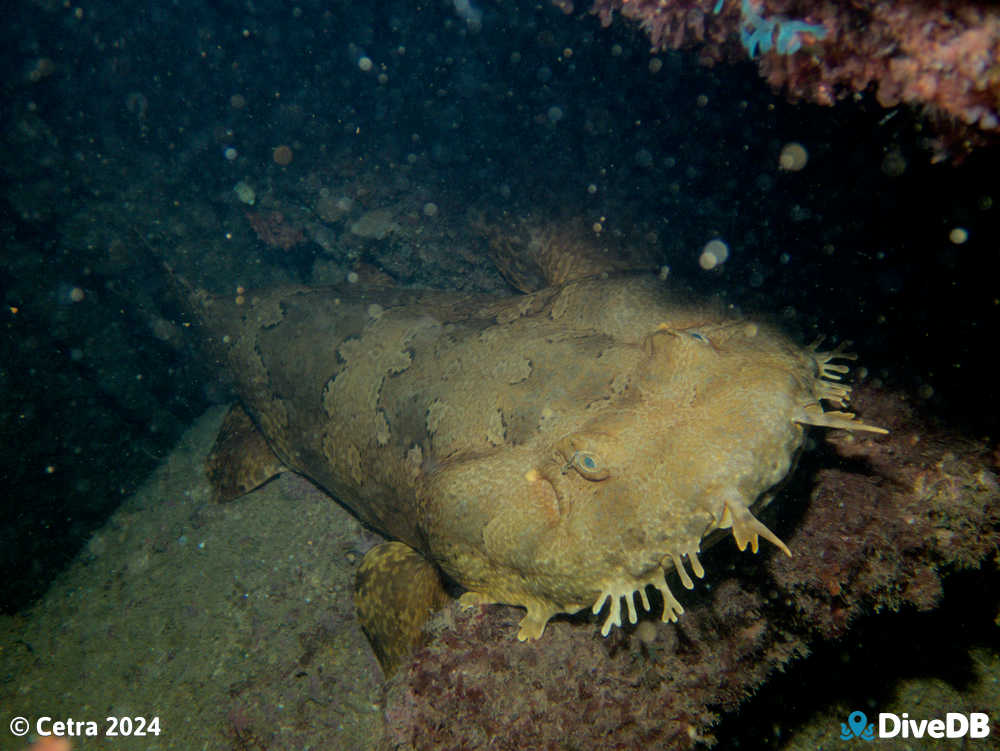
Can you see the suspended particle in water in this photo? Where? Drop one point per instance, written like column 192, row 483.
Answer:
column 713, row 254
column 282, row 155
column 893, row 163
column 793, row 157
column 958, row 235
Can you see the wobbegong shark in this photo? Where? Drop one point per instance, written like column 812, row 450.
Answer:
column 559, row 450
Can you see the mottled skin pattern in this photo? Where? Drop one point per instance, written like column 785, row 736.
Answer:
column 396, row 591
column 241, row 459
column 556, row 451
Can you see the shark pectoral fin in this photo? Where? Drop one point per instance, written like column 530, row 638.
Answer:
column 240, row 460
column 396, row 592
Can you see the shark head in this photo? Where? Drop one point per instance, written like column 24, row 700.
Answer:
column 710, row 421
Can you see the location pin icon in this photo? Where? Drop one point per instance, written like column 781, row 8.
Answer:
column 857, row 721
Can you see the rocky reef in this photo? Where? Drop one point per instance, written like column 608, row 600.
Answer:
column 938, row 55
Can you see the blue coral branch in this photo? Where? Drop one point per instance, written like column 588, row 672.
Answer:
column 757, row 32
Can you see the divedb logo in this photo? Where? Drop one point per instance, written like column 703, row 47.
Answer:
column 954, row 725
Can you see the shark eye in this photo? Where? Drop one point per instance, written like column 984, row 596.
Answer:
column 589, row 465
